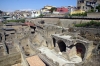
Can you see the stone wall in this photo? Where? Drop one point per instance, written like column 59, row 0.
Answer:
column 90, row 30
column 70, row 22
column 47, row 20
column 10, row 59
column 93, row 15
column 60, row 22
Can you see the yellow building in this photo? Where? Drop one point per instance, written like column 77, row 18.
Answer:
column 46, row 8
column 77, row 11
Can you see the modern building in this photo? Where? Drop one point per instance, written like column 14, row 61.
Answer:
column 87, row 5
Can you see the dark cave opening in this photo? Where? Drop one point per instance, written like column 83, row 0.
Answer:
column 80, row 49
column 54, row 42
column 62, row 46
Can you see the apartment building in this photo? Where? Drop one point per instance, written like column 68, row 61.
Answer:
column 87, row 4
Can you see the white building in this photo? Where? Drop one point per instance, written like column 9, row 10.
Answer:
column 35, row 13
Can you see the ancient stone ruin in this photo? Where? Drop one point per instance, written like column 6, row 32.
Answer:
column 52, row 42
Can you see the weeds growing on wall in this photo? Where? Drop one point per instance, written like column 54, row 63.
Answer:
column 91, row 24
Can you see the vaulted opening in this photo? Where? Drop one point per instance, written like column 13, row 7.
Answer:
column 99, row 47
column 62, row 46
column 54, row 42
column 33, row 27
column 80, row 50
column 0, row 37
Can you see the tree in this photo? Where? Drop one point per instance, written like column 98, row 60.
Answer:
column 1, row 12
column 41, row 15
column 98, row 8
column 53, row 9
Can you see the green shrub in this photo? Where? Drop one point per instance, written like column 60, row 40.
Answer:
column 98, row 8
column 41, row 15
column 80, row 14
column 88, row 24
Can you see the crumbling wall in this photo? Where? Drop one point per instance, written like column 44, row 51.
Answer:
column 94, row 60
column 10, row 59
column 90, row 33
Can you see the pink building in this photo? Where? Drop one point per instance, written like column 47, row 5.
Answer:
column 62, row 9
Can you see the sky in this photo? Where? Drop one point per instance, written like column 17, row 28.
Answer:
column 12, row 5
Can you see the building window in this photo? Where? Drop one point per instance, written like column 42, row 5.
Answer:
column 61, row 10
column 78, row 7
column 86, row 7
column 83, row 7
column 81, row 1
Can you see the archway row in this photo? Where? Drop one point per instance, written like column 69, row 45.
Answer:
column 80, row 48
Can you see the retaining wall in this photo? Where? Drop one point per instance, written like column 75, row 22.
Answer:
column 56, row 21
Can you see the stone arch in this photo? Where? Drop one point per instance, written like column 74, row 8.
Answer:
column 62, row 46
column 54, row 42
column 81, row 50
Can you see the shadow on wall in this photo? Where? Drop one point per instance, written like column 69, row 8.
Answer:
column 0, row 37
column 54, row 42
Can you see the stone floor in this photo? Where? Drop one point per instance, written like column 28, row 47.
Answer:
column 19, row 64
column 56, row 57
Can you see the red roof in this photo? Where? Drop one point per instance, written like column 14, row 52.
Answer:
column 35, row 61
column 62, row 9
